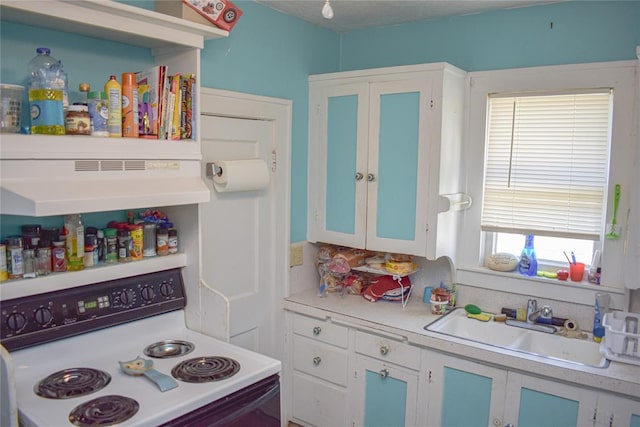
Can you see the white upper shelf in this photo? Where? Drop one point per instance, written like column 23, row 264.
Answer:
column 110, row 20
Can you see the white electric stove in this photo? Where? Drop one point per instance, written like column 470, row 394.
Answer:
column 74, row 378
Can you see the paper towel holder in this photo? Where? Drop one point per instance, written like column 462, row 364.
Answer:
column 213, row 169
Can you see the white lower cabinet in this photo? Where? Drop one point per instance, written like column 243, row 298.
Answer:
column 343, row 376
column 466, row 394
column 385, row 382
column 616, row 411
column 320, row 372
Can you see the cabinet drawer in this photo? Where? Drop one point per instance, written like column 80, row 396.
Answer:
column 387, row 349
column 321, row 330
column 324, row 361
column 318, row 403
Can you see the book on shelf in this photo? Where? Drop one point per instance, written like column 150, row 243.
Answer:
column 151, row 84
column 187, row 124
column 166, row 104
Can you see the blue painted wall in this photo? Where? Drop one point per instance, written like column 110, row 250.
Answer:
column 583, row 31
column 271, row 54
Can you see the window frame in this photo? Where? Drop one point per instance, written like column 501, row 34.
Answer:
column 474, row 244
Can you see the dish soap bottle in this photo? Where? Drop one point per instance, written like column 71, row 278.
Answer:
column 528, row 265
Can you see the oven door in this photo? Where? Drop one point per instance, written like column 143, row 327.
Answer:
column 257, row 406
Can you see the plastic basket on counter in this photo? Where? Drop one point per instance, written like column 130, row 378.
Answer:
column 622, row 337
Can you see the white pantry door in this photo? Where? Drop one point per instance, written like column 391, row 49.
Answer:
column 237, row 233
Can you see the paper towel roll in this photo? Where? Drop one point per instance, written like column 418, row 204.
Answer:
column 241, row 175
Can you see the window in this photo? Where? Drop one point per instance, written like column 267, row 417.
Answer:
column 618, row 167
column 546, row 164
column 546, row 171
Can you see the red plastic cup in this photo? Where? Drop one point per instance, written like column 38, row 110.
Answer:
column 576, row 271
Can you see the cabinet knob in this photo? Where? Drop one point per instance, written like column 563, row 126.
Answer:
column 384, row 373
column 317, row 360
column 384, row 350
column 359, row 176
column 317, row 330
column 498, row 422
column 508, row 425
column 371, row 177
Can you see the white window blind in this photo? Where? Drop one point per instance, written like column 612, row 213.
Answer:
column 547, row 163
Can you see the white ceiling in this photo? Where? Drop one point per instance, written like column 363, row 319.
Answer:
column 350, row 15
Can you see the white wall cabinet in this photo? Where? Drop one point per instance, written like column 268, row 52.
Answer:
column 384, row 145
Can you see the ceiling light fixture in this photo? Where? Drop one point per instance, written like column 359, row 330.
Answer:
column 327, row 10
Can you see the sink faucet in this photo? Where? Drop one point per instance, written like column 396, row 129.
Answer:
column 533, row 313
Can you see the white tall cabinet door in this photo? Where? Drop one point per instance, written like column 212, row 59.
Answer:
column 398, row 163
column 238, row 245
column 338, row 145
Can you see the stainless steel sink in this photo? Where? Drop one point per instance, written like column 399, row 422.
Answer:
column 529, row 341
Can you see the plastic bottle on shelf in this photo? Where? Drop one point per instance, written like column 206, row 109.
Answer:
column 528, row 265
column 114, row 99
column 48, row 94
column 75, row 242
column 129, row 105
column 84, row 89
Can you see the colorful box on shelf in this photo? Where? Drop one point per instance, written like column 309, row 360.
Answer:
column 221, row 13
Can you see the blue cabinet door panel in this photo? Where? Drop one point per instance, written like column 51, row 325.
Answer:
column 538, row 409
column 466, row 400
column 386, row 401
column 635, row 420
column 342, row 120
column 398, row 165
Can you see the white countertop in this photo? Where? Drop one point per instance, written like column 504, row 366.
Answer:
column 408, row 324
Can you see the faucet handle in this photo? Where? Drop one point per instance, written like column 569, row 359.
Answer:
column 546, row 312
column 532, row 304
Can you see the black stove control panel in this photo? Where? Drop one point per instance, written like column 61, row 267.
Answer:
column 41, row 318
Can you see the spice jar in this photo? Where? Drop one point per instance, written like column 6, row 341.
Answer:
column 31, row 235
column 111, row 250
column 162, row 241
column 173, row 241
column 44, row 258
column 77, row 121
column 90, row 250
column 124, row 245
column 149, row 239
column 58, row 256
column 29, row 263
column 15, row 266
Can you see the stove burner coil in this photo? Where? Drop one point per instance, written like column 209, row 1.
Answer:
column 72, row 382
column 205, row 369
column 169, row 348
column 104, row 411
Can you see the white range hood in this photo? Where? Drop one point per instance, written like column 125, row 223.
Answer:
column 56, row 187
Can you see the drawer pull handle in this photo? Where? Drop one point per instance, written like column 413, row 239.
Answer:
column 384, row 373
column 317, row 360
column 384, row 350
column 317, row 330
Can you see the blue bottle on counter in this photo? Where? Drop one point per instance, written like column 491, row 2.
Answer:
column 528, row 265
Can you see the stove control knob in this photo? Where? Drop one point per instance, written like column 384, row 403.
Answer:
column 16, row 321
column 166, row 289
column 148, row 293
column 42, row 316
column 127, row 297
